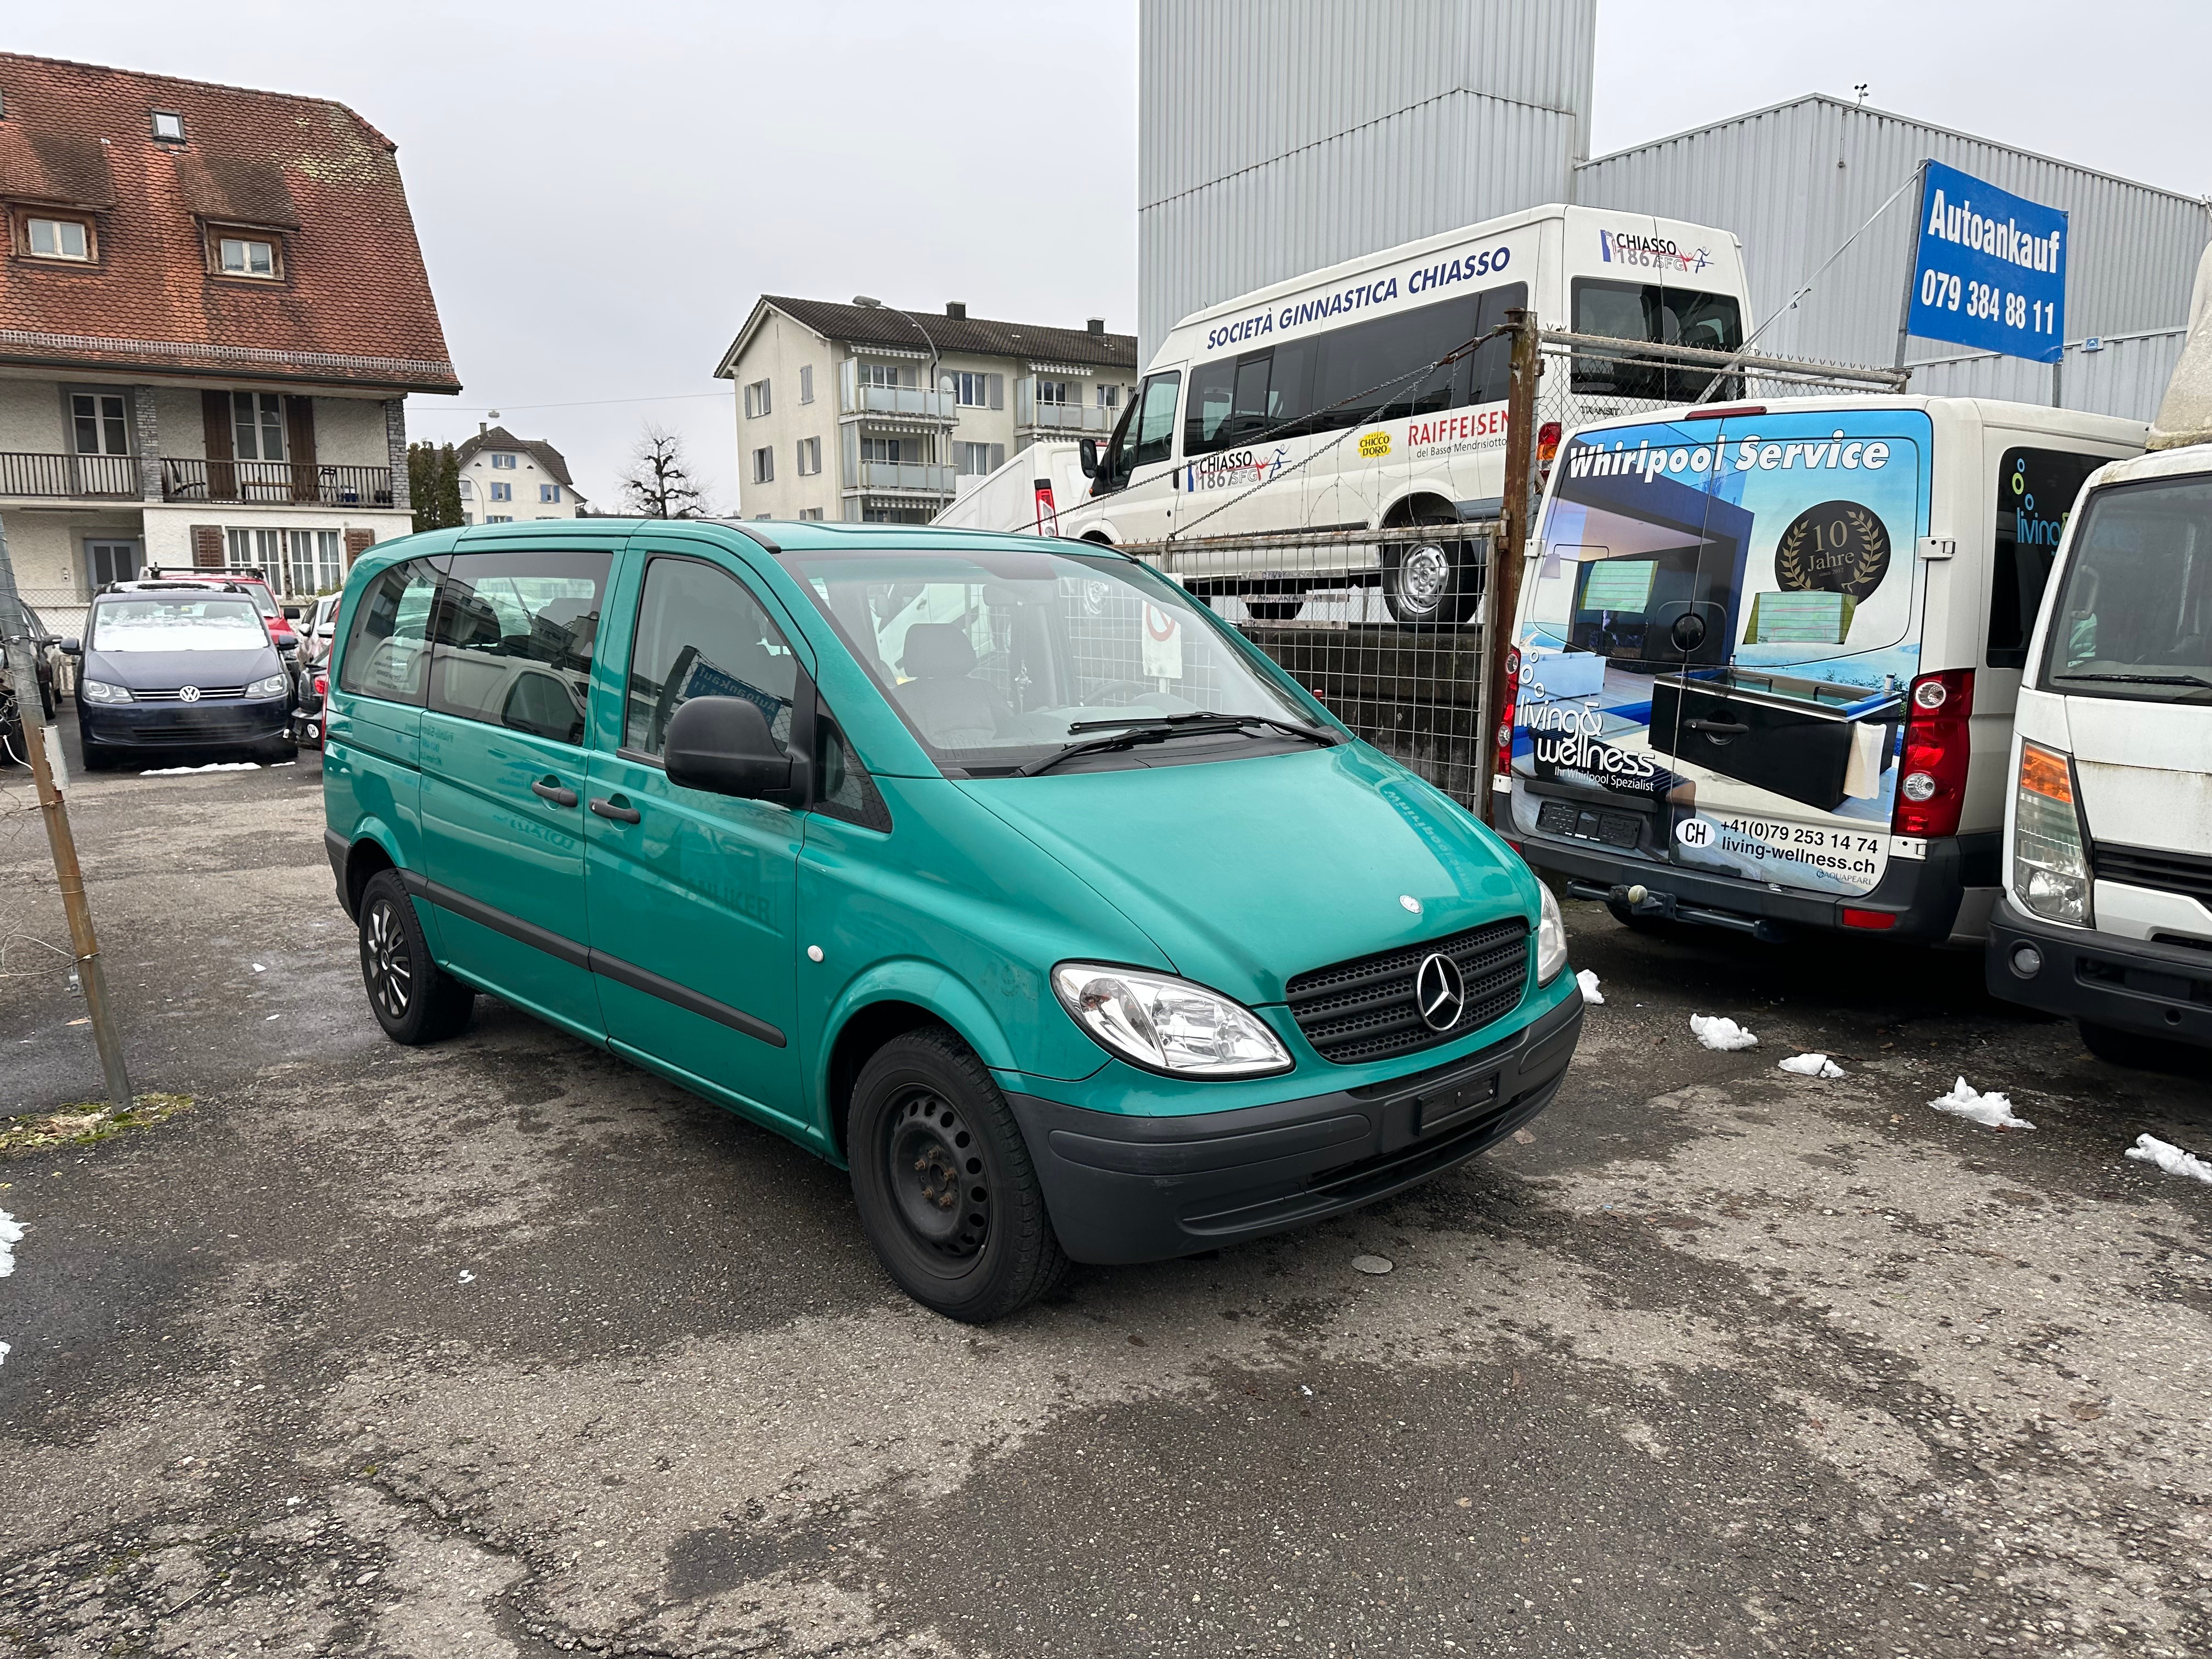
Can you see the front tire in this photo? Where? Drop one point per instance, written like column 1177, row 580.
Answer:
column 947, row 1195
column 1432, row 581
column 414, row 999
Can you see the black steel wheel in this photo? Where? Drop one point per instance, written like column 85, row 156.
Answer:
column 414, row 999
column 947, row 1195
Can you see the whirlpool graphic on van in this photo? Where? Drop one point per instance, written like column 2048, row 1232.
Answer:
column 1722, row 620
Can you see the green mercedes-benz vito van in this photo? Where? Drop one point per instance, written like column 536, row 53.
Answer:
column 994, row 868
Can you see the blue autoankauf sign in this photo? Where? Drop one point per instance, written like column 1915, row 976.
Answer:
column 1990, row 272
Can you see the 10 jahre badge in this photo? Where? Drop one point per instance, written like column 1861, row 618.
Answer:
column 1835, row 547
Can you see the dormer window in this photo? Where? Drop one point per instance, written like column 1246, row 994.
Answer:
column 246, row 256
column 168, row 126
column 58, row 239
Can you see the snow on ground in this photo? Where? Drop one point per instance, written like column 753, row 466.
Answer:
column 1993, row 1109
column 1719, row 1031
column 1811, row 1066
column 11, row 1234
column 2171, row 1158
column 1588, row 981
column 212, row 766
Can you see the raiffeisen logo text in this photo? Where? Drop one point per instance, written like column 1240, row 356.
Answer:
column 1629, row 247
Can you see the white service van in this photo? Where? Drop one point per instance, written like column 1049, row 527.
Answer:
column 1768, row 655
column 2106, row 915
column 1349, row 399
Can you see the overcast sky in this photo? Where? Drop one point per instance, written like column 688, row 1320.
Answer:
column 601, row 192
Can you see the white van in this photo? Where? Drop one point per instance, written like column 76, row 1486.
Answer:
column 1312, row 405
column 1768, row 656
column 1023, row 497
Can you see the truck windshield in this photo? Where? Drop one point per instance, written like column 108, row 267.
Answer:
column 992, row 657
column 2133, row 618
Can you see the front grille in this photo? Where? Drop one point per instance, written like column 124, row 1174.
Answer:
column 1563, row 817
column 2189, row 873
column 208, row 727
column 206, row 693
column 1365, row 1009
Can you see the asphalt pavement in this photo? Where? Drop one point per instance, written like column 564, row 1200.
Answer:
column 504, row 1347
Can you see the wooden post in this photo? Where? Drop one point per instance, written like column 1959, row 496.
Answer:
column 1501, row 593
column 23, row 671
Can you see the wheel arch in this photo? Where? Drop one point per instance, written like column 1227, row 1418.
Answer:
column 368, row 854
column 888, row 1000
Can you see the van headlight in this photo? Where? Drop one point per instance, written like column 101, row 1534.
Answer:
column 271, row 687
column 1166, row 1025
column 2049, row 855
column 1551, row 936
column 101, row 691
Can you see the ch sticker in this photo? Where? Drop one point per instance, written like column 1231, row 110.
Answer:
column 1694, row 833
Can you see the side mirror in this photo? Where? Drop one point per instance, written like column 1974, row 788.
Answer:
column 294, row 612
column 72, row 646
column 1087, row 452
column 723, row 745
column 289, row 648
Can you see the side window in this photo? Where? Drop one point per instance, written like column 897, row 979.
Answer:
column 2036, row 491
column 1493, row 360
column 701, row 634
column 843, row 788
column 512, row 644
column 1156, row 418
column 1115, row 455
column 387, row 646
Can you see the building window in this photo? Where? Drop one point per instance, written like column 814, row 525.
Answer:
column 971, row 391
column 101, row 421
column 317, row 564
column 1054, row 391
column 58, row 239
column 111, row 561
column 168, row 126
column 548, row 494
column 255, row 550
column 810, row 457
column 501, row 490
column 257, row 425
column 810, row 512
column 980, row 457
column 886, row 450
column 885, row 375
column 755, row 400
column 502, row 460
column 244, row 255
column 1110, row 396
column 806, row 383
column 468, row 490
column 499, row 518
column 764, row 465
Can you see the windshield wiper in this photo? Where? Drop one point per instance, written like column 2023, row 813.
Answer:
column 1168, row 726
column 2141, row 679
column 1206, row 717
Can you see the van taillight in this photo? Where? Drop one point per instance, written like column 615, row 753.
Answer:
column 1506, row 705
column 1931, row 773
column 1548, row 442
column 322, row 686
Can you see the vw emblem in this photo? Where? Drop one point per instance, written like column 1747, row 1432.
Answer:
column 190, row 694
column 1439, row 992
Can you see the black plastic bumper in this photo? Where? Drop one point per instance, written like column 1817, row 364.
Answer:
column 1923, row 893
column 1123, row 1189
column 210, row 725
column 2159, row 990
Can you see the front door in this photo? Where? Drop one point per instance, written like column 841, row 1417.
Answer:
column 693, row 895
column 503, row 774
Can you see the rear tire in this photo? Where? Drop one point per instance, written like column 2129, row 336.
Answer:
column 1432, row 581
column 947, row 1195
column 414, row 999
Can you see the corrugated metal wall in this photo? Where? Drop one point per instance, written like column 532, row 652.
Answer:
column 1795, row 181
column 1277, row 136
column 2125, row 376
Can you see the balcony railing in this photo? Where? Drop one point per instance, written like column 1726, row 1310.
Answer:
column 1075, row 420
column 276, row 482
column 104, row 477
column 920, row 403
column 920, row 477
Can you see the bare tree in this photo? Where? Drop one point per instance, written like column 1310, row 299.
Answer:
column 658, row 484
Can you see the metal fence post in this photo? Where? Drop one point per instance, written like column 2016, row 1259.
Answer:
column 1501, row 593
column 23, row 671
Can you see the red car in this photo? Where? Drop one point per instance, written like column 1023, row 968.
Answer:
column 255, row 584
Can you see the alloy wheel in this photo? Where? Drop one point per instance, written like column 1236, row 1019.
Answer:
column 937, row 1175
column 391, row 967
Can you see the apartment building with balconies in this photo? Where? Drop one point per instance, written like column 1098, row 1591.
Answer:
column 867, row 412
column 213, row 308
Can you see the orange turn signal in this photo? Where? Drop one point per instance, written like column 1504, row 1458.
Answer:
column 2045, row 772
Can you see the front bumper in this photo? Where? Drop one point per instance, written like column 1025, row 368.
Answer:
column 206, row 725
column 1123, row 1189
column 1924, row 895
column 2158, row 990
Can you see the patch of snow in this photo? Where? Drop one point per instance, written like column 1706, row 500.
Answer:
column 1719, row 1031
column 1811, row 1066
column 1371, row 1264
column 4, row 1353
column 212, row 766
column 467, row 1278
column 2150, row 1149
column 259, row 968
column 1993, row 1109
column 11, row 1234
column 1588, row 981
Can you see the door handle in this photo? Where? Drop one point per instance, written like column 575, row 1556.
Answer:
column 548, row 789
column 607, row 809
column 1727, row 728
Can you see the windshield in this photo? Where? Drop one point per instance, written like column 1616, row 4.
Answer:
column 991, row 656
column 220, row 622
column 2135, row 616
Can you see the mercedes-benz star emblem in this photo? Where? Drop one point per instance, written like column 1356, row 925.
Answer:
column 190, row 694
column 1439, row 992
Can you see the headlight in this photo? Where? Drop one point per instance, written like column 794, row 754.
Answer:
column 101, row 691
column 1168, row 1024
column 2050, row 860
column 1551, row 936
column 271, row 687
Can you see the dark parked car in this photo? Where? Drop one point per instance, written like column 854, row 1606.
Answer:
column 179, row 666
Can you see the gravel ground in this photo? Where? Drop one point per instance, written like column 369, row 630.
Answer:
column 504, row 1347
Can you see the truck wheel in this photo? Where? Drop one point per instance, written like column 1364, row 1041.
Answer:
column 1433, row 582
column 1273, row 610
column 414, row 999
column 947, row 1195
